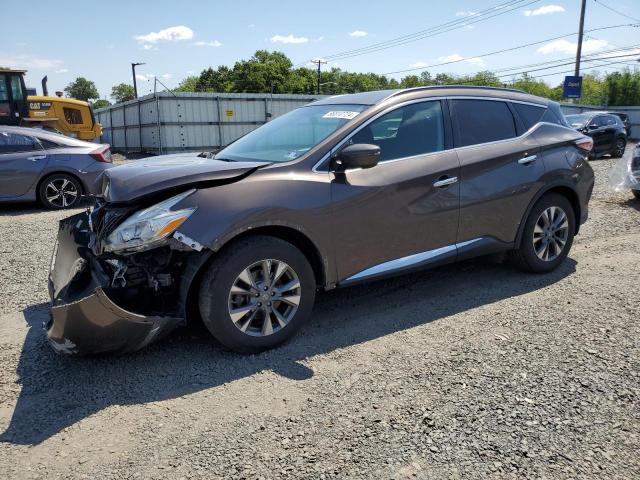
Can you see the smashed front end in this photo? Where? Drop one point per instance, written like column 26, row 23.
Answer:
column 106, row 298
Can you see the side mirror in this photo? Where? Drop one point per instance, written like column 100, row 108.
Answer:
column 359, row 155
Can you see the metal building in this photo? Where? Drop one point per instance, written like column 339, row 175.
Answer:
column 170, row 122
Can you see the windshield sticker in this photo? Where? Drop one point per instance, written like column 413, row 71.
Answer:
column 292, row 155
column 340, row 114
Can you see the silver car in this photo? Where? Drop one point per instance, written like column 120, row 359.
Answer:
column 56, row 170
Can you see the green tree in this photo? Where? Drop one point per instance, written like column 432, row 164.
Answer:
column 100, row 103
column 220, row 80
column 122, row 92
column 82, row 89
column 263, row 72
column 188, row 84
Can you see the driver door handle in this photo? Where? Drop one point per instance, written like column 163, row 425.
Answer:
column 35, row 158
column 443, row 182
column 527, row 160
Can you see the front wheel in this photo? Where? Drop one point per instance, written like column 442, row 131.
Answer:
column 636, row 193
column 547, row 236
column 619, row 148
column 257, row 294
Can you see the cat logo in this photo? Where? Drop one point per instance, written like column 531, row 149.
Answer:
column 39, row 105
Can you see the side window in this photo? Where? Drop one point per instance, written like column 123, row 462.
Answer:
column 482, row 121
column 16, row 88
column 415, row 129
column 529, row 114
column 46, row 144
column 611, row 120
column 5, row 110
column 13, row 143
column 72, row 116
column 596, row 122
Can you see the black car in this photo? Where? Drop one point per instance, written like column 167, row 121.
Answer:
column 345, row 190
column 607, row 130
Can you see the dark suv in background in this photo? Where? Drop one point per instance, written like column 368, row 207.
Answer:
column 607, row 130
column 345, row 190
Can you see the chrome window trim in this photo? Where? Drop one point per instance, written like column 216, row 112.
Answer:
column 410, row 260
column 389, row 109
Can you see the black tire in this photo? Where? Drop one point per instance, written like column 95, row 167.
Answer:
column 70, row 197
column 223, row 273
column 525, row 257
column 618, row 148
column 636, row 193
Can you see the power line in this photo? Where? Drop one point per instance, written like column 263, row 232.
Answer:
column 496, row 52
column 497, row 10
column 616, row 11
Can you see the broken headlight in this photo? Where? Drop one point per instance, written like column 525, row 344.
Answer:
column 150, row 227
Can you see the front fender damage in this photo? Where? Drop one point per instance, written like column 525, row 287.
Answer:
column 112, row 303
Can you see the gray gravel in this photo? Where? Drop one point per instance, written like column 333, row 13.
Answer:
column 468, row 371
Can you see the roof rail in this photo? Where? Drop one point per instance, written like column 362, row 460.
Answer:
column 472, row 87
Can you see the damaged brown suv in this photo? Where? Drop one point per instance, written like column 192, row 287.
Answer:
column 344, row 190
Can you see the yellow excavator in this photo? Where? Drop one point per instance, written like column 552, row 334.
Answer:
column 70, row 117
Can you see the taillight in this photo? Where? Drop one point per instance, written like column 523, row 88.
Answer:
column 102, row 154
column 585, row 144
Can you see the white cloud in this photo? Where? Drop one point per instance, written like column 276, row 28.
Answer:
column 141, row 77
column 62, row 70
column 148, row 46
column 214, row 43
column 320, row 38
column 544, row 10
column 29, row 62
column 456, row 57
column 170, row 34
column 190, row 72
column 465, row 13
column 252, row 25
column 288, row 39
column 166, row 76
column 566, row 47
column 419, row 65
column 358, row 34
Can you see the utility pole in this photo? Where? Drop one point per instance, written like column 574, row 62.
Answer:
column 319, row 61
column 133, row 71
column 580, row 35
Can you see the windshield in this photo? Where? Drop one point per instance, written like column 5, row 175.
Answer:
column 291, row 135
column 578, row 120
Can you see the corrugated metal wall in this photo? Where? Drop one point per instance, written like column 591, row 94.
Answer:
column 208, row 121
column 190, row 121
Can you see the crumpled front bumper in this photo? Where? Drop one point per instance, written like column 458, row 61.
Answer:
column 84, row 319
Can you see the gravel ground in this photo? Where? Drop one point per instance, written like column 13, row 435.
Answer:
column 467, row 371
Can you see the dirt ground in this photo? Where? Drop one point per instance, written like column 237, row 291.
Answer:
column 473, row 370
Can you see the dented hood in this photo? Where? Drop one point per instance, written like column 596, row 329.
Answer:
column 141, row 178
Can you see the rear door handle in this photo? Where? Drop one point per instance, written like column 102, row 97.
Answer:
column 35, row 158
column 527, row 160
column 443, row 182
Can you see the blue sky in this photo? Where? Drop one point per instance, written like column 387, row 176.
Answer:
column 99, row 40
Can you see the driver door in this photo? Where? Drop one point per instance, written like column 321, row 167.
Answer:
column 403, row 212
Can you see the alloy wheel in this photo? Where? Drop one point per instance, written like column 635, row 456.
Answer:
column 264, row 297
column 61, row 192
column 550, row 233
column 620, row 146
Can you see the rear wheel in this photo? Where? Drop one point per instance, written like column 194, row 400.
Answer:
column 619, row 148
column 547, row 236
column 60, row 191
column 257, row 294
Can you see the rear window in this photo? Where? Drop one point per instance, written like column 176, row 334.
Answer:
column 481, row 121
column 529, row 114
